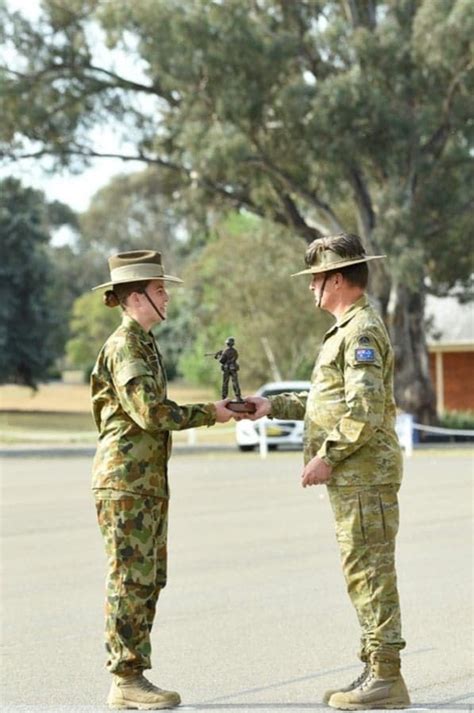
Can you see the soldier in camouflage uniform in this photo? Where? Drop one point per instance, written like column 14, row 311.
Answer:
column 350, row 444
column 135, row 418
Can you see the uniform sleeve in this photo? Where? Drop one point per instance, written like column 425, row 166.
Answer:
column 290, row 407
column 142, row 399
column 364, row 396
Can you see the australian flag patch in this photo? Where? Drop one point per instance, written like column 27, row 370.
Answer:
column 365, row 355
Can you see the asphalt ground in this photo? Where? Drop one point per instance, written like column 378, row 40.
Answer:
column 255, row 616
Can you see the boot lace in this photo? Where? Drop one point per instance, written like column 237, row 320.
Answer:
column 361, row 677
column 148, row 686
column 368, row 681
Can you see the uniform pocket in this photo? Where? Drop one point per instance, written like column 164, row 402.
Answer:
column 347, row 515
column 365, row 516
column 378, row 513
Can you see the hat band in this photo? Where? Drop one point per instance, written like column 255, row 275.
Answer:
column 136, row 272
column 328, row 257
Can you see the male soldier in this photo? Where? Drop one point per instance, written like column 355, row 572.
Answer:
column 228, row 360
column 130, row 474
column 351, row 445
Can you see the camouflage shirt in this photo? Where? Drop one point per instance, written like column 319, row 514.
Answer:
column 349, row 412
column 133, row 415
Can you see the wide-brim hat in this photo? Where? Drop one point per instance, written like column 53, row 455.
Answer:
column 327, row 259
column 136, row 266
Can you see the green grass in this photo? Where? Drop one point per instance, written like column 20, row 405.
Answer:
column 48, row 427
column 45, row 421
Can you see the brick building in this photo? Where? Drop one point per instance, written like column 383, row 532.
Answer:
column 451, row 352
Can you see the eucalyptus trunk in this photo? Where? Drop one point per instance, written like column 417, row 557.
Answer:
column 413, row 388
column 403, row 310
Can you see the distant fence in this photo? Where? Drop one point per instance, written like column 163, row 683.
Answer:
column 407, row 429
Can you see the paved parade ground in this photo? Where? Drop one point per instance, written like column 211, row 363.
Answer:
column 255, row 616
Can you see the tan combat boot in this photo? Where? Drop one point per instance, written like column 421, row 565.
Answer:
column 384, row 687
column 135, row 691
column 350, row 687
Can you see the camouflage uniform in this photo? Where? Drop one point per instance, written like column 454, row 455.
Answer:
column 349, row 416
column 130, row 481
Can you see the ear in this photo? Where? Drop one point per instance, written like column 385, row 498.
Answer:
column 133, row 299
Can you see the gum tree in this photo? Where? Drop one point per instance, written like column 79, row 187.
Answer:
column 320, row 116
column 30, row 318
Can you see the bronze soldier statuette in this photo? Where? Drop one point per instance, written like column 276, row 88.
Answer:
column 228, row 360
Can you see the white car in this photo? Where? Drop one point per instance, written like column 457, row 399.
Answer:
column 279, row 433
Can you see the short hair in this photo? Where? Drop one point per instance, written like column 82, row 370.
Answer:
column 347, row 245
column 357, row 275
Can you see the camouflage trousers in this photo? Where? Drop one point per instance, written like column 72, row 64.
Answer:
column 134, row 529
column 366, row 527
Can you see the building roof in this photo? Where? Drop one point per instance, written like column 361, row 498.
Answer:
column 449, row 321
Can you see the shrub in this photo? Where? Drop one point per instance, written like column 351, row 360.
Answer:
column 457, row 420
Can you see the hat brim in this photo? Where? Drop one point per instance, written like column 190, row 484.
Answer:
column 165, row 278
column 336, row 266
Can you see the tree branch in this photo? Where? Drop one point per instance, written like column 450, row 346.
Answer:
column 293, row 187
column 437, row 141
column 296, row 220
column 360, row 13
column 380, row 279
column 363, row 201
column 89, row 153
column 63, row 69
column 239, row 198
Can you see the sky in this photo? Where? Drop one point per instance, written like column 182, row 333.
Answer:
column 75, row 190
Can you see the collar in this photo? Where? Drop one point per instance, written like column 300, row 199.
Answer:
column 133, row 326
column 357, row 306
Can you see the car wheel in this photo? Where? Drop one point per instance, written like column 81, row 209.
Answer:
column 272, row 447
column 246, row 448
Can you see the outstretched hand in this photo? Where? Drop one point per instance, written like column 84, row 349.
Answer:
column 262, row 407
column 223, row 414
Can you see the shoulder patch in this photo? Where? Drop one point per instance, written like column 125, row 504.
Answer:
column 365, row 355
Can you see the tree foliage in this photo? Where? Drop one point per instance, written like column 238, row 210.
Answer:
column 132, row 211
column 292, row 110
column 29, row 315
column 91, row 324
column 241, row 287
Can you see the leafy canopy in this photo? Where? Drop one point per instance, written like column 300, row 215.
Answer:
column 241, row 286
column 29, row 315
column 316, row 115
column 285, row 109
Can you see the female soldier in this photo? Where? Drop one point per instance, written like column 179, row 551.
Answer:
column 134, row 418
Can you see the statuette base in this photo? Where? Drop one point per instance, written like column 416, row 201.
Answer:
column 241, row 407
